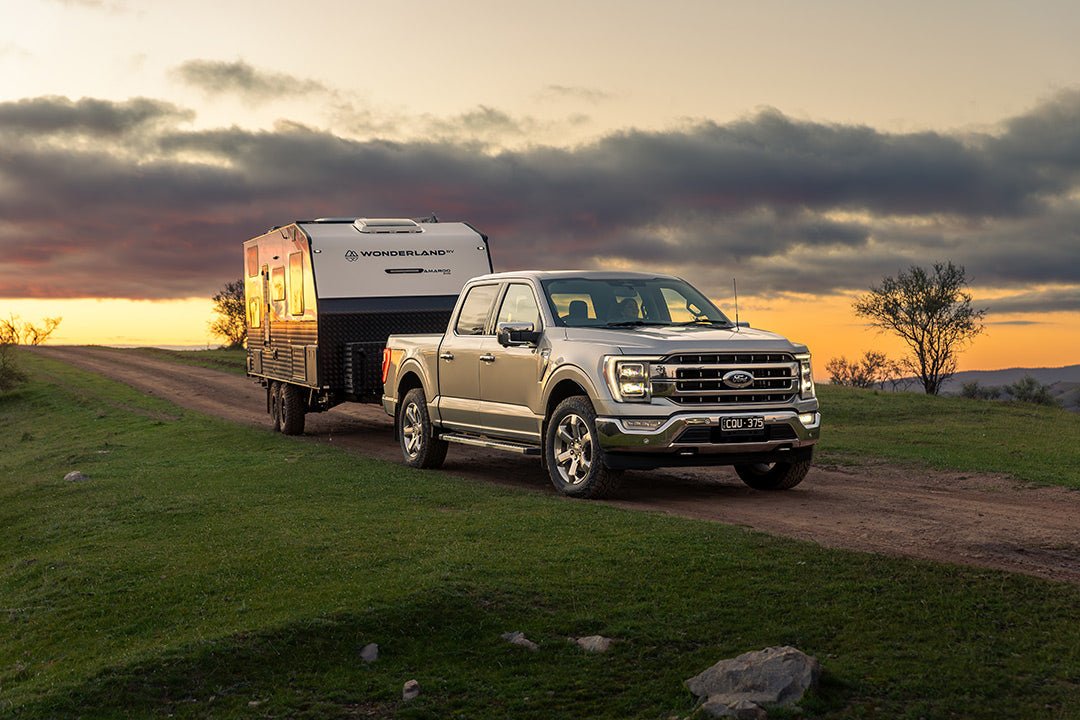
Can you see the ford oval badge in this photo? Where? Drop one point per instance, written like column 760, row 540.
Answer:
column 738, row 379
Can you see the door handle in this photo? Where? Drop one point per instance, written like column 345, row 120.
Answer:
column 446, row 356
column 489, row 358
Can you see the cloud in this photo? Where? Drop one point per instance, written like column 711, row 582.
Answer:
column 575, row 92
column 55, row 115
column 1042, row 301
column 786, row 205
column 216, row 77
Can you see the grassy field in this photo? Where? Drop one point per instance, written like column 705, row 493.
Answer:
column 207, row 569
column 1030, row 442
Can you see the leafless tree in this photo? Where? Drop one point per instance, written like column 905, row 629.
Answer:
column 931, row 312
column 15, row 331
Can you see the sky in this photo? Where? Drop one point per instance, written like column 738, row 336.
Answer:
column 807, row 149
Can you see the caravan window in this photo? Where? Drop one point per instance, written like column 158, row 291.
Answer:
column 296, row 283
column 252, row 260
column 277, row 284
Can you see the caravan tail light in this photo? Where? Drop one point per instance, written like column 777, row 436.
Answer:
column 385, row 363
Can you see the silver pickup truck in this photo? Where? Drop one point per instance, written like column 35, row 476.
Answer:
column 599, row 372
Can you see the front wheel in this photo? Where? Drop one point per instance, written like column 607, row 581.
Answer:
column 417, row 436
column 575, row 462
column 773, row 476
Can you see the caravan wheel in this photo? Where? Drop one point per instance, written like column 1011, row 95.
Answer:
column 275, row 406
column 291, row 410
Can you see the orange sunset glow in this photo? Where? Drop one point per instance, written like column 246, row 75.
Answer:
column 805, row 150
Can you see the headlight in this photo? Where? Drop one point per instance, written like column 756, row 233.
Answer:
column 628, row 378
column 806, row 378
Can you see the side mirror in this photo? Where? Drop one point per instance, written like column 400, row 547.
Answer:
column 513, row 334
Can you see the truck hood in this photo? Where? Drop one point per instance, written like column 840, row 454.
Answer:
column 659, row 340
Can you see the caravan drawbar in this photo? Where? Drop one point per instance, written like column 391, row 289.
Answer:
column 322, row 296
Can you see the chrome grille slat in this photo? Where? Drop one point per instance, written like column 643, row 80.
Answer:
column 697, row 378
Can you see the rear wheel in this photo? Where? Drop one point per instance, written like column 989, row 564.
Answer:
column 575, row 462
column 275, row 406
column 773, row 476
column 291, row 410
column 417, row 435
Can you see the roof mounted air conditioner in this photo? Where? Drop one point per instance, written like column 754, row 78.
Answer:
column 387, row 225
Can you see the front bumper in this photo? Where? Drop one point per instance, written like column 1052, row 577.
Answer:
column 700, row 434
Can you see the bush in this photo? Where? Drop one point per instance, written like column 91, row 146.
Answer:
column 1030, row 390
column 974, row 391
column 11, row 376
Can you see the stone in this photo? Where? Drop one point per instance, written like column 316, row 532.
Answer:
column 594, row 643
column 76, row 476
column 370, row 652
column 721, row 706
column 773, row 676
column 410, row 691
column 518, row 638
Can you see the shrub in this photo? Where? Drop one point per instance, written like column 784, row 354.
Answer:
column 1030, row 390
column 11, row 376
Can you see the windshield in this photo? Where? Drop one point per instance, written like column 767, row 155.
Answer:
column 629, row 302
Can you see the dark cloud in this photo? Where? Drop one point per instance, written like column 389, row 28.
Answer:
column 43, row 116
column 217, row 77
column 1042, row 301
column 785, row 205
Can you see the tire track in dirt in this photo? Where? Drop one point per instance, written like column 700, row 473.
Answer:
column 966, row 518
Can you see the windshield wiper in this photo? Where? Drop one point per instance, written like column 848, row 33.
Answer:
column 707, row 321
column 631, row 323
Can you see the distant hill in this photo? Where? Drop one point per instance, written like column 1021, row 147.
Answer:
column 1064, row 382
column 1047, row 376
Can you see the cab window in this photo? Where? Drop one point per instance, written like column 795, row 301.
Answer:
column 519, row 305
column 472, row 320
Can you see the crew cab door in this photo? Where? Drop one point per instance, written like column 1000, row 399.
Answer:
column 459, row 359
column 510, row 376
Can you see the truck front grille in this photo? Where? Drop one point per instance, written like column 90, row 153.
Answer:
column 698, row 379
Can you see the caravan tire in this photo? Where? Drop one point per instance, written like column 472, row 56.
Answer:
column 416, row 434
column 291, row 410
column 275, row 406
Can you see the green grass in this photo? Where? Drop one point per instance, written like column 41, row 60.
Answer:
column 1029, row 442
column 206, row 567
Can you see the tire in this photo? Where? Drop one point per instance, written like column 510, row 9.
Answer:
column 575, row 462
column 275, row 406
column 773, row 476
column 291, row 410
column 416, row 435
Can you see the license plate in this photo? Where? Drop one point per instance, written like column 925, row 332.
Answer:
column 735, row 424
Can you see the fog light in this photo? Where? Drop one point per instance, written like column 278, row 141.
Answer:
column 808, row 419
column 643, row 424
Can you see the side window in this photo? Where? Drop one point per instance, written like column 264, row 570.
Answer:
column 254, row 303
column 251, row 256
column 474, row 311
column 296, row 283
column 519, row 305
column 277, row 284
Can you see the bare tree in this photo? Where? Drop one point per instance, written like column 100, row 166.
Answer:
column 15, row 331
column 231, row 322
column 931, row 312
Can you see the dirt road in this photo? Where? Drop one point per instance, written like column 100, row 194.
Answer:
column 965, row 518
